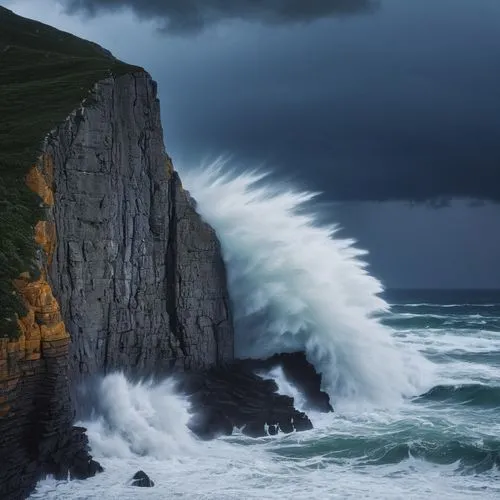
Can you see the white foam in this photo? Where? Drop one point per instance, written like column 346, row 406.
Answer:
column 143, row 426
column 140, row 419
column 430, row 304
column 243, row 475
column 296, row 465
column 285, row 387
column 449, row 341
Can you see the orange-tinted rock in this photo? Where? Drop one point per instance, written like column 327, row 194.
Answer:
column 37, row 182
column 35, row 407
column 33, row 367
column 46, row 165
column 43, row 321
column 45, row 236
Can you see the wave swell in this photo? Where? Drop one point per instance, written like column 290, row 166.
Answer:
column 467, row 394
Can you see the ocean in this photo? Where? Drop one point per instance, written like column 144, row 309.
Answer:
column 413, row 375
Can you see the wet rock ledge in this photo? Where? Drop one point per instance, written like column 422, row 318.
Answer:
column 235, row 395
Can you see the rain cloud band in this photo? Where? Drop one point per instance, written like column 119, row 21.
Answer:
column 186, row 16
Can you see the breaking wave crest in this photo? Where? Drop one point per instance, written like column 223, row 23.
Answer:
column 295, row 285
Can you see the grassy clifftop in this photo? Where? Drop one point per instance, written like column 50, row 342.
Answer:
column 44, row 74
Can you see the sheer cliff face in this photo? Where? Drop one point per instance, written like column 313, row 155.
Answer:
column 138, row 275
column 130, row 279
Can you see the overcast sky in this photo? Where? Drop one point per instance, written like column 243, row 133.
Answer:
column 392, row 101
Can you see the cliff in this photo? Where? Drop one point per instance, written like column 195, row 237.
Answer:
column 139, row 275
column 108, row 267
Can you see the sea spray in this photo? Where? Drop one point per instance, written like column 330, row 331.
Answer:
column 285, row 387
column 294, row 285
column 142, row 418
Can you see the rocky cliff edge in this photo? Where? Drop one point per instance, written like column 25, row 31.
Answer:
column 131, row 279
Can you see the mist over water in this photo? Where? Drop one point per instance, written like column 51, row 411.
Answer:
column 296, row 286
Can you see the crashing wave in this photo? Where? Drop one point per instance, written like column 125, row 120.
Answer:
column 295, row 285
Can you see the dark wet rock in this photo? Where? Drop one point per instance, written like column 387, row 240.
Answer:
column 235, row 395
column 142, row 480
column 272, row 430
column 255, row 429
column 301, row 374
column 210, row 424
column 36, row 434
column 81, row 464
column 302, row 423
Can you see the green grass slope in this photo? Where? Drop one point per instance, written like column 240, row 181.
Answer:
column 44, row 74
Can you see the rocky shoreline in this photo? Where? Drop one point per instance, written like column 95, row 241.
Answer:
column 233, row 395
column 239, row 395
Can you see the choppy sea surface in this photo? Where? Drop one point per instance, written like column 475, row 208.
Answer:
column 444, row 443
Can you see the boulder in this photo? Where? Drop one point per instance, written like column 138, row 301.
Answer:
column 142, row 480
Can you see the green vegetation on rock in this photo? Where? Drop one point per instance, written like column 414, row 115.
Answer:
column 44, row 74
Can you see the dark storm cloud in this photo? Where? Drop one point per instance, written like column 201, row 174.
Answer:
column 179, row 16
column 403, row 104
column 396, row 106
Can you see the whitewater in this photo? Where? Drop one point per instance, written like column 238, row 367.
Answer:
column 296, row 286
column 414, row 379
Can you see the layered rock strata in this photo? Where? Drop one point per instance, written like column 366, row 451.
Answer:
column 36, row 417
